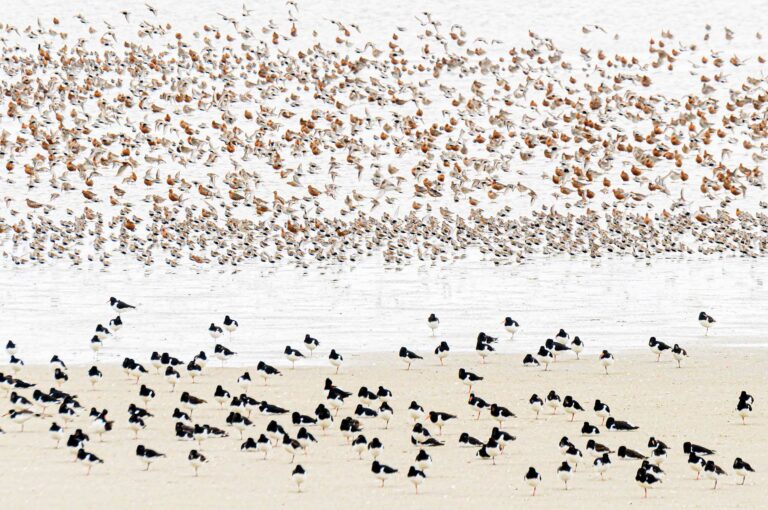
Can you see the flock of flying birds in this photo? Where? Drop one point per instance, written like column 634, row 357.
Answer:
column 64, row 408
column 306, row 142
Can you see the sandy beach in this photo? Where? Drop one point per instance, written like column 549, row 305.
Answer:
column 693, row 403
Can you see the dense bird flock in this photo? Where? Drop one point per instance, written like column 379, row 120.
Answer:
column 291, row 141
column 295, row 433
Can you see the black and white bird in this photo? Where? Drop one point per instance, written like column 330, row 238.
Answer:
column 215, row 331
column 490, row 450
column 606, row 360
column 658, row 455
column 466, row 440
column 533, row 479
column 483, row 349
column 120, row 307
column 116, row 324
column 706, row 322
column 511, row 325
column 433, row 322
column 714, row 472
column 468, row 378
column 172, row 377
column 553, row 401
column 536, row 404
column 336, row 359
column 244, row 381
column 56, row 432
column 292, row 355
column 589, row 430
column 291, row 446
column 415, row 411
column 562, row 336
column 311, row 343
column 408, row 357
column 146, row 394
column 577, row 346
column 743, row 409
column 573, row 455
column 60, row 376
column 565, row 473
column 266, row 371
column 96, row 346
column 696, row 463
column 602, row 464
column 478, row 403
column 365, row 412
column 530, row 361
column 102, row 332
column 56, row 362
column 618, row 425
column 416, row 477
column 193, row 370
column 230, row 325
column 88, row 459
column 596, row 449
column 440, row 419
column 501, row 414
column 196, row 460
column 442, row 351
column 221, row 395
column 11, row 348
column 679, row 354
column 385, row 413
column 654, row 470
column 382, row 472
column 544, row 356
column 741, row 469
column 222, row 353
column 21, row 417
column 646, row 480
column 556, row 347
column 602, row 410
column 689, row 447
column 423, row 460
column 190, row 402
column 657, row 347
column 375, row 447
column 147, row 456
column 628, row 453
column 359, row 445
column 299, row 476
column 570, row 406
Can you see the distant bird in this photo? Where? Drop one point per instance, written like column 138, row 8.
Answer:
column 222, row 353
column 533, row 479
column 544, row 357
column 577, row 346
column 602, row 464
column 536, row 404
column 56, row 433
column 696, row 463
column 120, row 307
column 442, row 350
column 606, row 360
column 292, row 355
column 230, row 325
column 196, row 460
column 530, row 361
column 571, row 406
column 553, row 401
column 490, row 450
column 744, row 409
column 713, row 472
column 602, row 410
column 310, row 343
column 556, row 347
column 618, row 425
column 433, row 322
column 415, row 411
column 511, row 326
column 416, row 477
column 627, row 453
column 10, row 348
column 679, row 354
column 336, row 359
column 741, row 469
column 266, row 371
column 215, row 331
column 501, row 414
column 657, row 347
column 88, row 459
column 116, row 324
column 298, row 476
column 706, row 322
column 565, row 473
column 689, row 447
column 147, row 456
column 382, row 471
column 440, row 419
column 468, row 378
column 646, row 480
column 408, row 357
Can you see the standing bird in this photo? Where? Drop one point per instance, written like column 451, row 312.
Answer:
column 382, row 471
column 230, row 325
column 544, row 357
column 571, row 406
column 468, row 378
column 433, row 322
column 741, row 469
column 299, row 476
column 196, row 459
column 147, row 456
column 646, row 480
column 336, row 359
column 565, row 473
column 120, row 306
column 292, row 355
column 511, row 325
column 408, row 357
column 657, row 347
column 88, row 459
column 533, row 479
column 416, row 477
column 713, row 472
column 215, row 331
column 442, row 350
column 679, row 354
column 606, row 360
column 602, row 464
column 311, row 344
column 706, row 322
column 577, row 346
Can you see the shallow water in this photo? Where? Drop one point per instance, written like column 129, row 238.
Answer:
column 614, row 303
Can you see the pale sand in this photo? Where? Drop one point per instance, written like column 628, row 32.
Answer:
column 694, row 403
